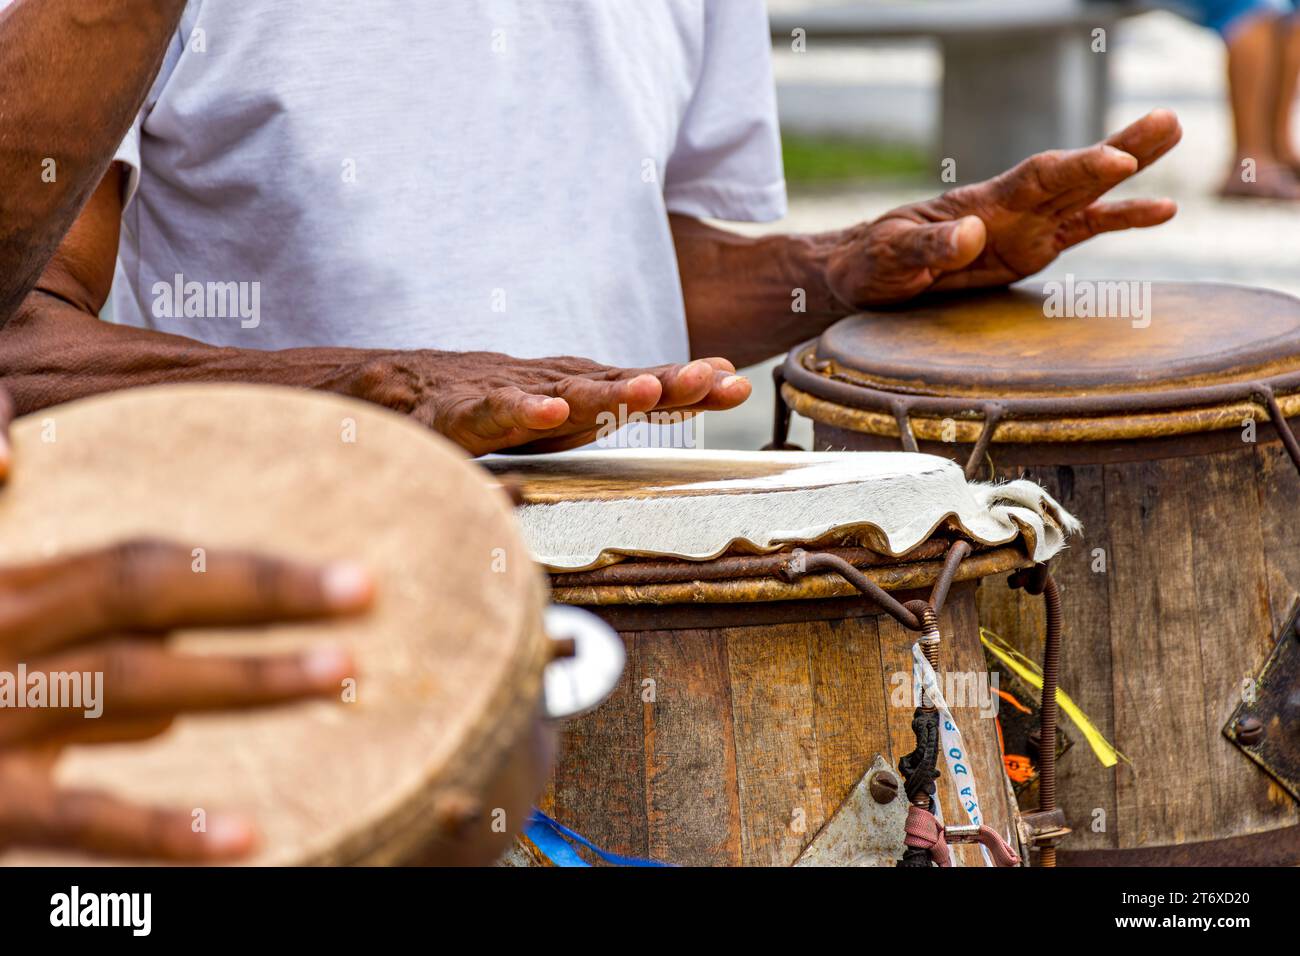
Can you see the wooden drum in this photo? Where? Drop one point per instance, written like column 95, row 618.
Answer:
column 760, row 720
column 1150, row 412
column 441, row 749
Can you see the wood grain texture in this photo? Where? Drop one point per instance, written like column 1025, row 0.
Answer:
column 598, row 785
column 776, row 745
column 756, row 735
column 1201, row 574
column 1165, row 794
column 1278, row 487
column 692, row 801
column 896, row 664
column 1235, row 632
column 849, row 701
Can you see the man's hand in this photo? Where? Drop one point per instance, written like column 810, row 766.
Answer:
column 107, row 612
column 487, row 402
column 999, row 231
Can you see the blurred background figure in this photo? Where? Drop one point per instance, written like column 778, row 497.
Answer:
column 1263, row 42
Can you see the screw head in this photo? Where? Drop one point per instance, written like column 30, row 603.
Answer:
column 883, row 787
column 1249, row 730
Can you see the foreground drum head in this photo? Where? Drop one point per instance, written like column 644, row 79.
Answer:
column 1004, row 343
column 449, row 662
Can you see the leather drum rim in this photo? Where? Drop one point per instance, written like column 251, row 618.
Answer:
column 856, row 407
column 903, row 576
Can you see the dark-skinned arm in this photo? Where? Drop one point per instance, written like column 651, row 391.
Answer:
column 74, row 76
column 56, row 349
column 752, row 298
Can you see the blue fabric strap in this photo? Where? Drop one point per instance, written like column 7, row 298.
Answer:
column 552, row 838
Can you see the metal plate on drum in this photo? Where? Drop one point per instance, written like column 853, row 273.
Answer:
column 863, row 831
column 1267, row 728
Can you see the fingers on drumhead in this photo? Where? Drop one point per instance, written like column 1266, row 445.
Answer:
column 99, row 823
column 157, row 585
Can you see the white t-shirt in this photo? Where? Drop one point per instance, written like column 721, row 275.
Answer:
column 477, row 174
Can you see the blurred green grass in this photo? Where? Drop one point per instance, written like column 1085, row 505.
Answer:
column 816, row 161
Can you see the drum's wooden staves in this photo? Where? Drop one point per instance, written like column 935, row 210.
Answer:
column 446, row 724
column 738, row 730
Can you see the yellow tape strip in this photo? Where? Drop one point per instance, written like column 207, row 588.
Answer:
column 1032, row 674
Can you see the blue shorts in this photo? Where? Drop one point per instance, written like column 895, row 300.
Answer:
column 1224, row 16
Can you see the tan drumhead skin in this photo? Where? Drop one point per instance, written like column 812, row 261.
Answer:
column 1001, row 344
column 449, row 661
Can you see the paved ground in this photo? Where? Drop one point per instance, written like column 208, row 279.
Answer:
column 1159, row 61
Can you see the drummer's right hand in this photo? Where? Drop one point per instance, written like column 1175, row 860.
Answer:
column 106, row 613
column 487, row 402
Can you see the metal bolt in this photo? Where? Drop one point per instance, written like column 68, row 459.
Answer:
column 1249, row 730
column 883, row 787
column 563, row 647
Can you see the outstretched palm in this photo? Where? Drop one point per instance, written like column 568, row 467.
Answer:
column 998, row 231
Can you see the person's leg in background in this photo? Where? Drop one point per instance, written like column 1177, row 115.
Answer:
column 1252, row 30
column 1289, row 73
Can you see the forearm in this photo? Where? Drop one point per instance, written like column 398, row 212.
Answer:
column 74, row 75
column 751, row 298
column 53, row 352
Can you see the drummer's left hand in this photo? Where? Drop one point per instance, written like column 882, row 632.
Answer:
column 998, row 231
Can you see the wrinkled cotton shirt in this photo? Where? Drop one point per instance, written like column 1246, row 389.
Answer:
column 478, row 174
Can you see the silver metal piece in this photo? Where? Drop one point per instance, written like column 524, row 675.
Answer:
column 578, row 684
column 862, row 832
column 961, row 833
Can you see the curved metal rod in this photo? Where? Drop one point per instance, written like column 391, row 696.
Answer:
column 992, row 415
column 1280, row 424
column 802, row 562
column 904, row 426
column 911, row 615
column 956, row 555
column 780, row 417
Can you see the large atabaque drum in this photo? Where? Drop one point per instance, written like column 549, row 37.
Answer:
column 1156, row 427
column 754, row 710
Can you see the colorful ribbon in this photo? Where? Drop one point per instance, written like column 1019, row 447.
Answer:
column 553, row 840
